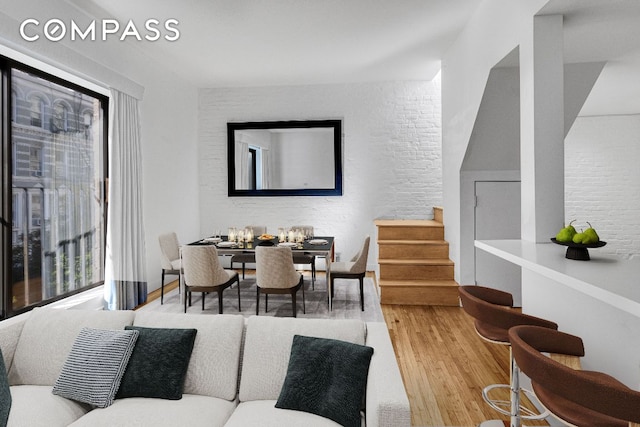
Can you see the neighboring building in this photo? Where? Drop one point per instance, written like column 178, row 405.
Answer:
column 56, row 228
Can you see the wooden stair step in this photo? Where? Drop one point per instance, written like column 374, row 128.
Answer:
column 419, row 292
column 406, row 249
column 415, row 262
column 406, row 269
column 418, row 283
column 426, row 229
column 438, row 214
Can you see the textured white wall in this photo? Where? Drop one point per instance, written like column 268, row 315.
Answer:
column 391, row 157
column 602, row 180
column 494, row 30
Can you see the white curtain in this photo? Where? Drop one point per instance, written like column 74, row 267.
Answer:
column 266, row 168
column 242, row 165
column 125, row 268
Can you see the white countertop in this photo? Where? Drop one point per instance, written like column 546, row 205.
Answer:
column 608, row 278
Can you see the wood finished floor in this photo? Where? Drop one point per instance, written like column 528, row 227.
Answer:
column 445, row 365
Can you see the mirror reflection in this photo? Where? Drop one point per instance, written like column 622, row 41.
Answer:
column 285, row 158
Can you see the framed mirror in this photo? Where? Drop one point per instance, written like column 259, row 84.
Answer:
column 285, row 158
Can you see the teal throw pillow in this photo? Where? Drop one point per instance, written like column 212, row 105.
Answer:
column 159, row 363
column 326, row 377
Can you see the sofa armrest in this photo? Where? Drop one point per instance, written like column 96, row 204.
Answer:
column 387, row 404
column 10, row 331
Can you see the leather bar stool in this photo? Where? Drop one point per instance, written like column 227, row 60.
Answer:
column 575, row 397
column 493, row 312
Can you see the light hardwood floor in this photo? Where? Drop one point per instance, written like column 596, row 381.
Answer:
column 445, row 365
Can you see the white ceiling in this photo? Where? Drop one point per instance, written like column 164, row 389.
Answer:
column 604, row 30
column 277, row 42
column 285, row 42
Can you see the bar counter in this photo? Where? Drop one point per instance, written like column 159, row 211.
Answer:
column 598, row 300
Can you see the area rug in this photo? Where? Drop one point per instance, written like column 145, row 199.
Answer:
column 346, row 301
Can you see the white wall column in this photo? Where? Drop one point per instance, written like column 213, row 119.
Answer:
column 542, row 129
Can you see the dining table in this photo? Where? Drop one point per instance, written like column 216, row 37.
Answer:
column 320, row 246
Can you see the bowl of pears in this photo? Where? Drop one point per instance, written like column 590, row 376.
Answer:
column 578, row 242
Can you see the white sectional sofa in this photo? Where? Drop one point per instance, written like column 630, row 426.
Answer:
column 235, row 374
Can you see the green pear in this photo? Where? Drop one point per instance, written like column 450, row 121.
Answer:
column 590, row 236
column 566, row 234
column 578, row 238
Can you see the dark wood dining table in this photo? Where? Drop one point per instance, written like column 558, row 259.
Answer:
column 325, row 250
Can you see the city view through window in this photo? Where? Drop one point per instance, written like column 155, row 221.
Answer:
column 57, row 149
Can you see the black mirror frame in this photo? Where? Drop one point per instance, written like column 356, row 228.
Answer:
column 290, row 124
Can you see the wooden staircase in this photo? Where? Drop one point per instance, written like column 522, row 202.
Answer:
column 414, row 263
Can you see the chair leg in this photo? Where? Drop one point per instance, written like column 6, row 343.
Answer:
column 203, row 300
column 313, row 273
column 361, row 293
column 220, row 301
column 293, row 301
column 162, row 289
column 257, row 299
column 185, row 301
column 332, row 283
column 238, row 286
column 304, row 310
column 189, row 299
column 266, row 302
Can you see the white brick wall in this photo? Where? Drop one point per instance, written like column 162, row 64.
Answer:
column 602, row 180
column 391, row 156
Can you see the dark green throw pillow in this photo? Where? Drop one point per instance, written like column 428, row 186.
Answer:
column 159, row 363
column 326, row 377
column 5, row 394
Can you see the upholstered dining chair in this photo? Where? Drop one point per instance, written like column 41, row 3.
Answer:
column 204, row 273
column 575, row 397
column 248, row 257
column 169, row 259
column 354, row 269
column 276, row 274
column 493, row 314
column 306, row 258
column 5, row 394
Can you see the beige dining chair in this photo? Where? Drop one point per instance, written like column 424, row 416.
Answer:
column 305, row 258
column 169, row 259
column 248, row 257
column 354, row 269
column 276, row 274
column 204, row 273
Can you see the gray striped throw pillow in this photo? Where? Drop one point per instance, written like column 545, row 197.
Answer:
column 94, row 368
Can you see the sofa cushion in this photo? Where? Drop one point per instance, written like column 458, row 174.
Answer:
column 36, row 406
column 47, row 338
column 268, row 347
column 263, row 413
column 159, row 363
column 191, row 410
column 213, row 368
column 326, row 377
column 95, row 366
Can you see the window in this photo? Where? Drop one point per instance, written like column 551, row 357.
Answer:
column 55, row 143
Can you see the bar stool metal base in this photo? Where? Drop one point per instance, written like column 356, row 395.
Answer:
column 512, row 407
column 505, row 406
